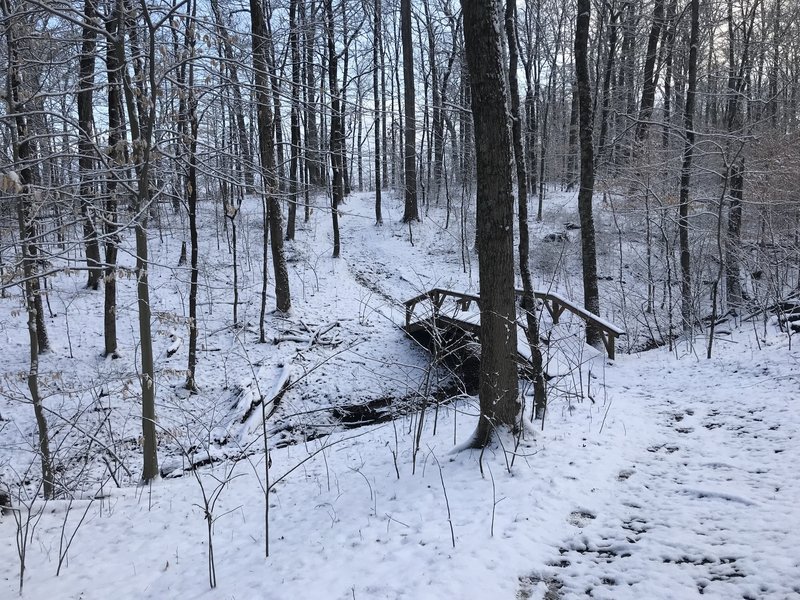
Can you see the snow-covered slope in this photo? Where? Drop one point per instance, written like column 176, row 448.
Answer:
column 662, row 475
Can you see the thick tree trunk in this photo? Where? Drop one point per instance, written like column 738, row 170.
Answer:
column 191, row 203
column 411, row 211
column 377, row 102
column 337, row 133
column 86, row 146
column 273, row 227
column 733, row 281
column 591, row 294
column 687, row 314
column 29, row 271
column 737, row 83
column 294, row 151
column 115, row 136
column 499, row 393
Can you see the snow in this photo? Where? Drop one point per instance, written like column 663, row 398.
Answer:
column 658, row 475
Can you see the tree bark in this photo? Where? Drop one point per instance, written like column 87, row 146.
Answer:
column 377, row 103
column 337, row 133
column 608, row 78
column 273, row 227
column 411, row 211
column 115, row 135
column 191, row 202
column 86, row 147
column 499, row 393
column 687, row 314
column 591, row 294
column 294, row 151
column 314, row 162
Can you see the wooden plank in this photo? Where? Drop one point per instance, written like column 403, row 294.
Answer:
column 555, row 304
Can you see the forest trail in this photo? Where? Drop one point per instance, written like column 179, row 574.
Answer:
column 704, row 495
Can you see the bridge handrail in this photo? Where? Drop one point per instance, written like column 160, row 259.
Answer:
column 577, row 310
column 553, row 301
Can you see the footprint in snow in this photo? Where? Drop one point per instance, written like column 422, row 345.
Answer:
column 624, row 475
column 580, row 518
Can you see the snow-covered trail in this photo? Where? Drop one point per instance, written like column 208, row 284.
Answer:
column 691, row 481
column 706, row 501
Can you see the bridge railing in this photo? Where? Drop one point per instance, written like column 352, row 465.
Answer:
column 555, row 304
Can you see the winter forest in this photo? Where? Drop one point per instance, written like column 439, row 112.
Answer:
column 419, row 299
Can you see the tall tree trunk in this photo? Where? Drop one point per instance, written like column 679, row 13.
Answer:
column 687, row 314
column 337, row 133
column 528, row 297
column 411, row 211
column 377, row 50
column 294, row 151
column 499, row 393
column 650, row 76
column 733, row 281
column 191, row 200
column 23, row 156
column 86, row 146
column 277, row 114
column 625, row 83
column 141, row 126
column 117, row 155
column 273, row 226
column 437, row 133
column 591, row 294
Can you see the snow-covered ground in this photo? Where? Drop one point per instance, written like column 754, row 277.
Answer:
column 660, row 475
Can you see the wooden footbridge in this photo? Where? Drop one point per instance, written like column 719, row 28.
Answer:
column 442, row 311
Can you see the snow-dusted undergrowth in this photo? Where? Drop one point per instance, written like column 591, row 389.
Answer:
column 661, row 475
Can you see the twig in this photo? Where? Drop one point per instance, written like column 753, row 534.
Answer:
column 446, row 501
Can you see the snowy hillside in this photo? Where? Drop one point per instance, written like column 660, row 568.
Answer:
column 661, row 474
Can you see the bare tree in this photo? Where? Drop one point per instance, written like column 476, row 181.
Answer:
column 411, row 211
column 273, row 223
column 377, row 60
column 591, row 294
column 86, row 158
column 687, row 314
column 22, row 184
column 499, row 393
column 141, row 104
column 528, row 298
column 337, row 128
